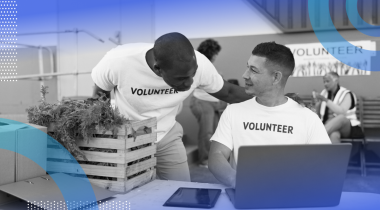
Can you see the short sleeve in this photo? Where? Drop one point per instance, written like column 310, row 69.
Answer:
column 317, row 133
column 223, row 133
column 104, row 76
column 210, row 80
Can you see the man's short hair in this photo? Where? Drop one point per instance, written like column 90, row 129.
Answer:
column 209, row 48
column 276, row 54
column 333, row 74
column 173, row 47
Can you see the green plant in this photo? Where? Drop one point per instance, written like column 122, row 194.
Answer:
column 76, row 119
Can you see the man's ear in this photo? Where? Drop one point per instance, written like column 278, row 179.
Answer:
column 277, row 76
column 157, row 70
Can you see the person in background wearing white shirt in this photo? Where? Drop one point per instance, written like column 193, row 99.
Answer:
column 337, row 108
column 269, row 118
column 206, row 107
column 151, row 80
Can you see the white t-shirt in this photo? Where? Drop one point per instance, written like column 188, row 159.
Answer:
column 141, row 94
column 250, row 123
column 203, row 95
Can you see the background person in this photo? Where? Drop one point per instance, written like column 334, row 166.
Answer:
column 206, row 107
column 269, row 118
column 337, row 109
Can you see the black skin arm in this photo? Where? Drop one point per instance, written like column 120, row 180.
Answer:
column 98, row 90
column 231, row 93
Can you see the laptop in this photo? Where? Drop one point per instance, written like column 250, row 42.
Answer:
column 290, row 176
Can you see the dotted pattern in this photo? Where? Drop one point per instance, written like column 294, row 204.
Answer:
column 81, row 205
column 8, row 53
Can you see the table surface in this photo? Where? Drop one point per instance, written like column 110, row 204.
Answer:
column 154, row 194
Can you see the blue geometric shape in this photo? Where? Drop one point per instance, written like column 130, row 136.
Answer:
column 70, row 192
column 354, row 16
column 329, row 39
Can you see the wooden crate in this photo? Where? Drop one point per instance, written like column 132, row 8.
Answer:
column 133, row 134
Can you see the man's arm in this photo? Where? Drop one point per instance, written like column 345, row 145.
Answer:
column 219, row 165
column 231, row 93
column 98, row 90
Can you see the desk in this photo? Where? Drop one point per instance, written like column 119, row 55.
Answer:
column 154, row 194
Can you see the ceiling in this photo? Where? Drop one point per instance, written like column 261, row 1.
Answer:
column 293, row 15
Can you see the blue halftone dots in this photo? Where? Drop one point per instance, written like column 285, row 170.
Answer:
column 70, row 191
column 329, row 39
column 354, row 16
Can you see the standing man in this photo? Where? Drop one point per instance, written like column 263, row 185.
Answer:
column 206, row 107
column 151, row 80
column 337, row 109
column 269, row 118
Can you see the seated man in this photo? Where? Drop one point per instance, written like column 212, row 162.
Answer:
column 267, row 119
column 337, row 109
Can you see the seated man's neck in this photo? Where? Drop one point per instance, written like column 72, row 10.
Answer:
column 272, row 99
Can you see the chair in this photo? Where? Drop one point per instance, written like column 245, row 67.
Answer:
column 371, row 122
column 307, row 99
column 361, row 141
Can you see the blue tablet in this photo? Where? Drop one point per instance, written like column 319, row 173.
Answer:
column 194, row 198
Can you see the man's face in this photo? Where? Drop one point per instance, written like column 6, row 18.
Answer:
column 180, row 76
column 329, row 82
column 258, row 78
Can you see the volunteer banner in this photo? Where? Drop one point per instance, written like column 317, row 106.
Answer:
column 313, row 59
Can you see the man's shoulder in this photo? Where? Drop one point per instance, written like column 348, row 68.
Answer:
column 301, row 110
column 242, row 106
column 202, row 60
column 129, row 50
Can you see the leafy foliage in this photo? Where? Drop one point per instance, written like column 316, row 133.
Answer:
column 72, row 119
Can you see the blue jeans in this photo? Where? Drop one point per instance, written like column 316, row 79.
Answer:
column 208, row 115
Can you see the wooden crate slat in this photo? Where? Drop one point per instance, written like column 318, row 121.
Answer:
column 88, row 169
column 133, row 169
column 140, row 140
column 141, row 153
column 104, row 157
column 152, row 122
column 140, row 180
column 135, row 125
column 90, row 155
column 57, row 154
column 106, row 143
column 116, row 186
column 120, row 132
column 121, row 143
column 125, row 186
